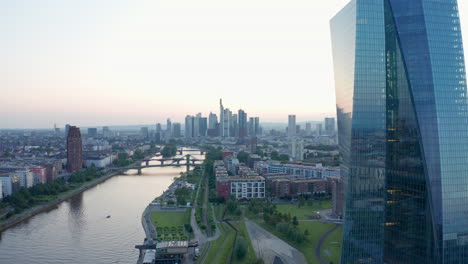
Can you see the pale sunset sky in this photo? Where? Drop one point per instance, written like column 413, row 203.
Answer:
column 110, row 62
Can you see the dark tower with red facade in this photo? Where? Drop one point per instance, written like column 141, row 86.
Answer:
column 74, row 150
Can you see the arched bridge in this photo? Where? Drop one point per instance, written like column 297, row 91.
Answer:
column 187, row 161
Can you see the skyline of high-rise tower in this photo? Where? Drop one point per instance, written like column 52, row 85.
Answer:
column 402, row 123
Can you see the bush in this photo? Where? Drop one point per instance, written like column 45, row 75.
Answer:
column 241, row 247
column 188, row 227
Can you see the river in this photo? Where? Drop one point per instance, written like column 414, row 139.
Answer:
column 78, row 230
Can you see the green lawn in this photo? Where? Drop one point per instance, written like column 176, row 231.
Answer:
column 219, row 210
column 167, row 218
column 306, row 211
column 333, row 245
column 316, row 230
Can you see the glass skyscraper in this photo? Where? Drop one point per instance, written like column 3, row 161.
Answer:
column 403, row 131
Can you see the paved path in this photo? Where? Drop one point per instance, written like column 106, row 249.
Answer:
column 318, row 248
column 267, row 246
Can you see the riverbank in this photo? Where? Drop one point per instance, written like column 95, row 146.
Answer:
column 14, row 220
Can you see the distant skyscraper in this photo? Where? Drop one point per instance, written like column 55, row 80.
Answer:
column 196, row 125
column 189, row 127
column 74, row 150
column 227, row 122
column 212, row 120
column 308, row 129
column 176, row 130
column 158, row 128
column 253, row 145
column 319, row 129
column 221, row 118
column 234, row 126
column 213, row 125
column 157, row 135
column 67, row 128
column 329, row 126
column 242, row 124
column 402, row 124
column 168, row 129
column 105, row 131
column 254, row 126
column 292, row 125
column 144, row 132
column 203, row 126
column 92, row 132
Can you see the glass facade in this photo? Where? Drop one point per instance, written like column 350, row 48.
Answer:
column 403, row 131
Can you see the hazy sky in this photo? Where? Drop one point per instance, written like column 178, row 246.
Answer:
column 109, row 62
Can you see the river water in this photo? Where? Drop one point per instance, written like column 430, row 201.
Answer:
column 78, row 230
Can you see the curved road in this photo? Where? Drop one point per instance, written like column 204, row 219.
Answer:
column 318, row 248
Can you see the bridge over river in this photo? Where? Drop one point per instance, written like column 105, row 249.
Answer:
column 186, row 160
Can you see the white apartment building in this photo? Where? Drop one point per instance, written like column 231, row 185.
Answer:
column 296, row 149
column 26, row 178
column 7, row 188
column 248, row 187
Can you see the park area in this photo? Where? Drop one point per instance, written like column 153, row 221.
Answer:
column 169, row 225
column 303, row 210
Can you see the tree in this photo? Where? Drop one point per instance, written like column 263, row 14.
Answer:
column 295, row 222
column 243, row 156
column 241, row 247
column 169, row 151
column 138, row 155
column 232, row 206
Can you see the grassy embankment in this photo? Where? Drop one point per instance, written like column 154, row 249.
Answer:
column 315, row 230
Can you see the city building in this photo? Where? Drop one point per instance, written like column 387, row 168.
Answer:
column 26, row 178
column 189, row 126
column 7, row 188
column 92, row 132
column 176, row 130
column 203, row 126
column 337, row 191
column 227, row 123
column 67, row 127
column 212, row 120
column 98, row 161
column 74, row 150
column 242, row 115
column 221, row 118
column 168, row 129
column 105, row 132
column 402, row 126
column 250, row 187
column 329, row 126
column 295, row 187
column 39, row 174
column 318, row 129
column 254, row 126
column 144, row 132
column 291, row 125
column 196, row 125
column 308, row 129
column 157, row 134
column 306, row 171
column 296, row 149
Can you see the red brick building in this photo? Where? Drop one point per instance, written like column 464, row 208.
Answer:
column 74, row 150
column 290, row 187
